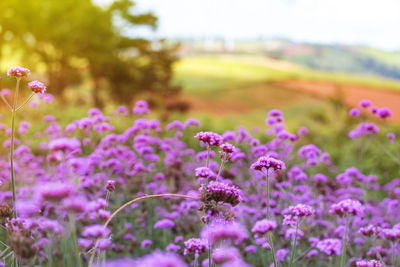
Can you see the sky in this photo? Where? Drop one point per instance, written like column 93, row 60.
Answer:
column 363, row 22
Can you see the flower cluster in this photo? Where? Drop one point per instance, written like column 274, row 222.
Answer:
column 347, row 207
column 209, row 138
column 262, row 227
column 266, row 163
column 195, row 246
column 220, row 192
column 295, row 212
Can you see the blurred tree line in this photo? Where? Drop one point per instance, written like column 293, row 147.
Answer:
column 78, row 39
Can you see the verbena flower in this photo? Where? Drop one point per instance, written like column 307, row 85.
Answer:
column 18, row 72
column 219, row 231
column 37, row 87
column 262, row 227
column 195, row 246
column 347, row 207
column 365, row 103
column 164, row 223
column 368, row 263
column 369, row 230
column 330, row 246
column 295, row 212
column 204, row 172
column 266, row 163
column 220, row 192
column 209, row 138
column 225, row 254
column 355, row 112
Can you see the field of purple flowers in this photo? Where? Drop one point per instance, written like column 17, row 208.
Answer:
column 169, row 195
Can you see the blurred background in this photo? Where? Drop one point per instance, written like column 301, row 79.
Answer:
column 226, row 62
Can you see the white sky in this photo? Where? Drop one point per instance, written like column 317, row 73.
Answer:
column 370, row 22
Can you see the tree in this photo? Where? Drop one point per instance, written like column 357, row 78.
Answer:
column 74, row 39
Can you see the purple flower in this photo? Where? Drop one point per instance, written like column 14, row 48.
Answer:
column 95, row 230
column 209, row 138
column 64, row 144
column 369, row 230
column 146, row 243
column 221, row 192
column 384, row 113
column 224, row 231
column 227, row 148
column 354, row 112
column 368, row 263
column 330, row 246
column 365, row 103
column 262, row 227
column 110, row 185
column 164, row 223
column 275, row 113
column 141, row 108
column 295, row 212
column 18, row 72
column 391, row 137
column 195, row 246
column 155, row 259
column 224, row 255
column 55, row 191
column 347, row 207
column 37, row 87
column 204, row 172
column 266, row 162
column 391, row 234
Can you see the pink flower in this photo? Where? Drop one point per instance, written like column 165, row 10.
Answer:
column 37, row 87
column 18, row 72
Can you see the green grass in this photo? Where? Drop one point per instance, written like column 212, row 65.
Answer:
column 215, row 72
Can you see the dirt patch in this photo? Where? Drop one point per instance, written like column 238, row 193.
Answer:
column 351, row 94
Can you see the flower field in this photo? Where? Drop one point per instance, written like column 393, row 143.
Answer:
column 172, row 194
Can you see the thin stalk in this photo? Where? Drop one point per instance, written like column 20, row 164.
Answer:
column 221, row 167
column 294, row 245
column 3, row 253
column 196, row 260
column 205, row 192
column 268, row 217
column 394, row 253
column 5, row 101
column 74, row 240
column 94, row 249
column 273, row 249
column 343, row 255
column 12, row 147
column 26, row 102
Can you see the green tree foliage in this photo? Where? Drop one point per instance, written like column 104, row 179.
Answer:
column 74, row 39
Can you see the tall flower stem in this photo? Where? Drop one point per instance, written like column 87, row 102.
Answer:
column 271, row 239
column 394, row 253
column 294, row 245
column 268, row 217
column 13, row 112
column 26, row 102
column 205, row 192
column 94, row 249
column 221, row 167
column 343, row 255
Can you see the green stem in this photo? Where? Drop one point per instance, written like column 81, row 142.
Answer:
column 209, row 244
column 394, row 253
column 268, row 217
column 343, row 255
column 26, row 102
column 273, row 249
column 294, row 246
column 74, row 240
column 221, row 167
column 196, row 260
column 12, row 147
column 5, row 101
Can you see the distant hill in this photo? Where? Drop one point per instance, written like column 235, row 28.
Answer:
column 333, row 57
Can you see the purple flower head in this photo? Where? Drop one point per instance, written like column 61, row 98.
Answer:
column 164, row 223
column 18, row 72
column 95, row 230
column 195, row 246
column 369, row 230
column 354, row 112
column 37, row 87
column 219, row 231
column 110, row 186
column 209, row 138
column 221, row 192
column 225, row 254
column 309, row 151
column 266, row 162
column 64, row 144
column 347, row 207
column 55, row 191
column 155, row 259
column 391, row 137
column 204, row 172
column 146, row 243
column 275, row 113
column 330, row 246
column 262, row 227
column 384, row 113
column 392, row 234
column 227, row 148
column 141, row 108
column 295, row 212
column 368, row 263
column 365, row 103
